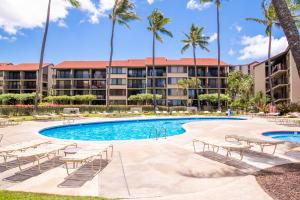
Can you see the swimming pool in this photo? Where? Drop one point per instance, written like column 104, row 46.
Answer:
column 292, row 136
column 124, row 130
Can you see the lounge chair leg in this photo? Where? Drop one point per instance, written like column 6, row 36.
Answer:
column 242, row 155
column 39, row 165
column 262, row 148
column 274, row 149
column 194, row 146
column 19, row 163
column 67, row 168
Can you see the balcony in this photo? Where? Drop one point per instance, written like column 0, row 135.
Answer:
column 137, row 86
column 62, row 87
column 12, row 87
column 12, row 77
column 81, row 87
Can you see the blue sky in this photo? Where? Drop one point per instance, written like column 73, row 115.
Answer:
column 83, row 34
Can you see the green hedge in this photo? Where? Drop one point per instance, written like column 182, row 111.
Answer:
column 25, row 110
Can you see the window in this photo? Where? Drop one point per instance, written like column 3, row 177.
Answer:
column 212, row 83
column 174, row 81
column 136, row 83
column 63, row 73
column 176, row 102
column 99, row 73
column 99, row 84
column 30, row 85
column 30, row 75
column 201, row 71
column 82, row 74
column 213, row 71
column 118, row 70
column 82, row 84
column 176, row 92
column 117, row 92
column 100, row 94
column 81, row 92
column 177, row 69
column 63, row 84
column 118, row 81
column 136, row 72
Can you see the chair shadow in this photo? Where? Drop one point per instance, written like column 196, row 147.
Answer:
column 12, row 164
column 84, row 174
column 266, row 158
column 34, row 171
column 241, row 168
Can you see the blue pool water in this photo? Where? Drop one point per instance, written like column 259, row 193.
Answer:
column 292, row 136
column 124, row 130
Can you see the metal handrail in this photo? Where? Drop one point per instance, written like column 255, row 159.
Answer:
column 158, row 132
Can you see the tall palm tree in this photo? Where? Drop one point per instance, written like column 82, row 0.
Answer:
column 218, row 5
column 39, row 85
column 289, row 27
column 123, row 12
column 270, row 19
column 195, row 39
column 157, row 23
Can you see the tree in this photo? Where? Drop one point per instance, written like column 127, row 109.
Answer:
column 143, row 98
column 123, row 12
column 39, row 85
column 289, row 27
column 195, row 39
column 157, row 23
column 218, row 5
column 240, row 89
column 188, row 83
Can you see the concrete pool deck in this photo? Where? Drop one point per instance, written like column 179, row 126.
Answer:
column 164, row 168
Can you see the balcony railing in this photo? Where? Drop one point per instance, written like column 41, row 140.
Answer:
column 62, row 86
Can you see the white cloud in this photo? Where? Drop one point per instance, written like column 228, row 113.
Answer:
column 256, row 47
column 213, row 37
column 194, row 4
column 231, row 52
column 6, row 38
column 238, row 28
column 20, row 14
column 150, row 1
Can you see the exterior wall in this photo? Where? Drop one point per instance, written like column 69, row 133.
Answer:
column 259, row 78
column 294, row 80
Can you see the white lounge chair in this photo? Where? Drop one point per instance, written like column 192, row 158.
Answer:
column 227, row 146
column 38, row 153
column 260, row 142
column 87, row 155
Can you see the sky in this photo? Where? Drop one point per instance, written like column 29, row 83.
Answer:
column 84, row 33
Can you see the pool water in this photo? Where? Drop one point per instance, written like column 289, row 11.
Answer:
column 292, row 136
column 124, row 130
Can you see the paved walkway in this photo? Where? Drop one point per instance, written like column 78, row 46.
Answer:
column 164, row 168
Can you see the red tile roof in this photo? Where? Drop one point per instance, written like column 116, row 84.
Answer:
column 22, row 67
column 159, row 61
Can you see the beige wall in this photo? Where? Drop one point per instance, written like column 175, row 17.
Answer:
column 294, row 80
column 259, row 78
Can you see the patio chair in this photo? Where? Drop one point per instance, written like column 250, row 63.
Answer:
column 3, row 122
column 38, row 153
column 217, row 145
column 87, row 155
column 260, row 142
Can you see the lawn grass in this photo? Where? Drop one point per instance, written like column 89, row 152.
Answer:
column 8, row 195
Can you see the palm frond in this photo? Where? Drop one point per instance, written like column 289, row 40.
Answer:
column 260, row 21
column 166, row 32
column 123, row 23
column 157, row 37
column 74, row 3
column 185, row 47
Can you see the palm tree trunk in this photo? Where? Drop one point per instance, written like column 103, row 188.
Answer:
column 39, row 85
column 197, row 84
column 219, row 57
column 270, row 67
column 290, row 29
column 110, row 62
column 153, row 71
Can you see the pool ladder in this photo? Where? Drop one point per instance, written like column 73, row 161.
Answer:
column 159, row 133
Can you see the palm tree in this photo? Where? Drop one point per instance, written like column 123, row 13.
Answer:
column 186, row 84
column 218, row 5
column 157, row 23
column 122, row 13
column 270, row 19
column 195, row 39
column 289, row 27
column 39, row 85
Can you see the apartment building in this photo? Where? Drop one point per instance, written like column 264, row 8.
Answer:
column 247, row 69
column 22, row 78
column 135, row 76
column 285, row 78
